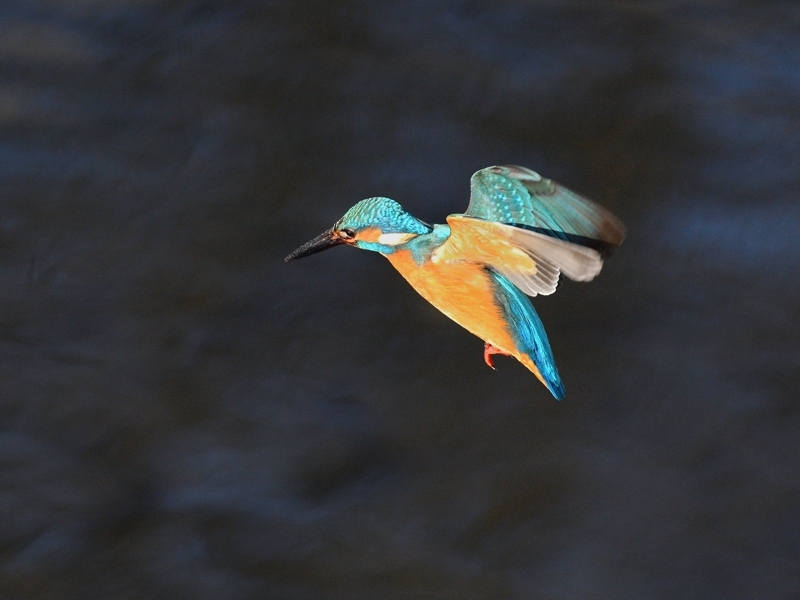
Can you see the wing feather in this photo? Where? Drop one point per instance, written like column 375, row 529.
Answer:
column 577, row 262
column 544, row 281
column 518, row 196
column 530, row 230
column 492, row 244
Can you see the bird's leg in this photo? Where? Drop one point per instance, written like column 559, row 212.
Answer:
column 488, row 350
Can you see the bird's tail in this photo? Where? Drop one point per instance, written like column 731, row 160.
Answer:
column 525, row 326
column 552, row 382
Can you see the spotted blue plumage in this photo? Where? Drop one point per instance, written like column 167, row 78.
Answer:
column 523, row 198
column 383, row 213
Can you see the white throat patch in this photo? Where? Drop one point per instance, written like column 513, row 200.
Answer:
column 393, row 239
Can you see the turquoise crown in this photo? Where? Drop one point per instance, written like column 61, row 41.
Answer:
column 384, row 213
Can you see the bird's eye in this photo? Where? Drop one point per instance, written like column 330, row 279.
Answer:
column 347, row 234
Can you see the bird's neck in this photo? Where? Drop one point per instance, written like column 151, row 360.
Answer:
column 421, row 247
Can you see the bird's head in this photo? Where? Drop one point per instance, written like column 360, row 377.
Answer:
column 377, row 224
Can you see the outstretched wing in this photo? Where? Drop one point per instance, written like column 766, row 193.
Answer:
column 523, row 198
column 530, row 229
column 532, row 261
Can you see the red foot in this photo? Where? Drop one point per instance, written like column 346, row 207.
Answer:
column 488, row 350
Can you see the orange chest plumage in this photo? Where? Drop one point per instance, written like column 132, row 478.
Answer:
column 463, row 291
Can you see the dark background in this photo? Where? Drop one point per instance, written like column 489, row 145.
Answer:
column 182, row 415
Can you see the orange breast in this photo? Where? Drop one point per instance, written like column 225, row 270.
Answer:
column 461, row 290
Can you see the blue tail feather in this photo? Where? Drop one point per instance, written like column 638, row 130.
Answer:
column 528, row 331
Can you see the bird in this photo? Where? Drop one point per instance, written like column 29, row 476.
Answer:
column 520, row 232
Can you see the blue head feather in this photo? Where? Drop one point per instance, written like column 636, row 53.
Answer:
column 383, row 213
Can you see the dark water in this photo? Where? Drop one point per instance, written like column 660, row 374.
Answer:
column 182, row 415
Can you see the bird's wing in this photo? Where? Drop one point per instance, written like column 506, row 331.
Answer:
column 532, row 261
column 530, row 229
column 518, row 196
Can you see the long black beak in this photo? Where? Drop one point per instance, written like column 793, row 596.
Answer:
column 322, row 242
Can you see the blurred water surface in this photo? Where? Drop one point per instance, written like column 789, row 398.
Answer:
column 182, row 415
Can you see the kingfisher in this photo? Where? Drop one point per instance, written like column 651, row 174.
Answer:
column 520, row 232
